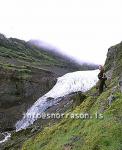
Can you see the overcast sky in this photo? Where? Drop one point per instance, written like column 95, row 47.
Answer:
column 84, row 29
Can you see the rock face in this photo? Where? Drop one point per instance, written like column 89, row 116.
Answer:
column 14, row 89
column 17, row 94
column 113, row 62
column 120, row 84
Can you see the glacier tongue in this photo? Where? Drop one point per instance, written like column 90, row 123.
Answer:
column 70, row 82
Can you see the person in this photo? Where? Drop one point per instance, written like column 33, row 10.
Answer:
column 102, row 78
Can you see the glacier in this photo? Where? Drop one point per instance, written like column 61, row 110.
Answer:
column 68, row 83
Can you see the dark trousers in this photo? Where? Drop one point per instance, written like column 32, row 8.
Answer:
column 101, row 86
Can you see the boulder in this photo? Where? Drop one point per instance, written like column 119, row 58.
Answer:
column 120, row 84
column 111, row 98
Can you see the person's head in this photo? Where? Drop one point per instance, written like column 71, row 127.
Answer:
column 101, row 67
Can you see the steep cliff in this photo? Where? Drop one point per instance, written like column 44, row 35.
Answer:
column 101, row 129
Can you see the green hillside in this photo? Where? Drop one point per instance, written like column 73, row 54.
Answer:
column 18, row 54
column 104, row 133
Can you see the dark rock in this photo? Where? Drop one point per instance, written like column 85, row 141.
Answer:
column 35, row 129
column 120, row 85
column 75, row 139
column 1, row 136
column 114, row 89
column 78, row 97
column 50, row 98
column 111, row 98
column 9, row 129
column 113, row 63
column 18, row 94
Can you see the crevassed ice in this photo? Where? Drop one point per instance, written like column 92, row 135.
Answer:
column 70, row 82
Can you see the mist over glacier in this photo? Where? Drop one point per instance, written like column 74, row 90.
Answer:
column 49, row 47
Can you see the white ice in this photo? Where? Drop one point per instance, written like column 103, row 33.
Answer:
column 70, row 82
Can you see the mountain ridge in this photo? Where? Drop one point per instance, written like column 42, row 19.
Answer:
column 42, row 56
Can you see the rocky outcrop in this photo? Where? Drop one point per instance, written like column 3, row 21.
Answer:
column 18, row 91
column 113, row 64
column 120, row 84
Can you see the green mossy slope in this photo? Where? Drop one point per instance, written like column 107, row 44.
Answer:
column 85, row 134
column 17, row 52
column 101, row 133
